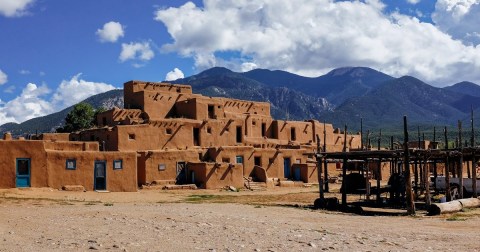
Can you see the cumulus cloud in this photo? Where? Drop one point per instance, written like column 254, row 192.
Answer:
column 247, row 66
column 75, row 90
column 110, row 32
column 136, row 51
column 34, row 101
column 29, row 104
column 14, row 8
column 459, row 18
column 413, row 1
column 330, row 34
column 24, row 72
column 3, row 77
column 175, row 74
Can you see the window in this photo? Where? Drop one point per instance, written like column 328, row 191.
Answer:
column 104, row 121
column 168, row 131
column 162, row 167
column 254, row 122
column 209, row 130
column 293, row 134
column 71, row 164
column 131, row 136
column 117, row 164
column 196, row 136
column 239, row 134
column 264, row 129
column 225, row 160
column 211, row 112
column 239, row 159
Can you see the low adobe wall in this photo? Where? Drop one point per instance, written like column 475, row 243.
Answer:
column 215, row 175
column 118, row 180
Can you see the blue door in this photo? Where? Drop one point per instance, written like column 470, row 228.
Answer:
column 100, row 174
column 23, row 172
column 296, row 174
column 286, row 168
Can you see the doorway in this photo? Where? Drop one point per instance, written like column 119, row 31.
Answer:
column 181, row 173
column 22, row 172
column 100, row 180
column 286, row 168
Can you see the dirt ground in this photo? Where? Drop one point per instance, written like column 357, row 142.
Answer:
column 44, row 219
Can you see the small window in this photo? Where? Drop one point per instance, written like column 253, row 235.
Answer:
column 131, row 136
column 168, row 131
column 161, row 167
column 117, row 164
column 209, row 130
column 71, row 164
column 254, row 123
column 225, row 160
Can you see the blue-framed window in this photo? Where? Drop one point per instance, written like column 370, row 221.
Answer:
column 117, row 164
column 71, row 164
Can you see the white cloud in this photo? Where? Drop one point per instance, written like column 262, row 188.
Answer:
column 330, row 34
column 413, row 1
column 110, row 32
column 28, row 105
column 459, row 18
column 247, row 66
column 175, row 74
column 24, row 72
column 3, row 77
column 75, row 90
column 34, row 102
column 14, row 8
column 136, row 51
column 9, row 89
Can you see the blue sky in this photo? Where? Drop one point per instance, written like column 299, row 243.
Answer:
column 55, row 53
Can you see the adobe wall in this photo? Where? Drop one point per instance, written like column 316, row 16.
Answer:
column 32, row 149
column 117, row 116
column 150, row 170
column 71, row 146
column 234, row 106
column 228, row 155
column 216, row 175
column 54, row 136
column 118, row 180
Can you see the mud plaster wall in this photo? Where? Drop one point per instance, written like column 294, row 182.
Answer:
column 11, row 150
column 118, row 180
column 153, row 159
column 215, row 175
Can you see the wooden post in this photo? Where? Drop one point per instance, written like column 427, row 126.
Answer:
column 460, row 161
column 435, row 173
column 474, row 158
column 319, row 168
column 379, row 172
column 415, row 170
column 447, row 168
column 325, row 175
column 344, row 168
column 408, row 177
column 426, row 182
column 361, row 133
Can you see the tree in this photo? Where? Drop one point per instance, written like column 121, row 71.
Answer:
column 80, row 117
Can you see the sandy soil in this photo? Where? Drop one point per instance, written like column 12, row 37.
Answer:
column 210, row 220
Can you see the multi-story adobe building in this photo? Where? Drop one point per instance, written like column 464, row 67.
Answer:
column 167, row 135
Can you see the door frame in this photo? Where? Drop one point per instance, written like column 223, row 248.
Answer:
column 23, row 176
column 104, row 162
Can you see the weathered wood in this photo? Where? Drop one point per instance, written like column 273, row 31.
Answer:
column 344, row 169
column 470, row 202
column 460, row 176
column 319, row 168
column 325, row 175
column 447, row 168
column 427, row 183
column 408, row 177
column 443, row 208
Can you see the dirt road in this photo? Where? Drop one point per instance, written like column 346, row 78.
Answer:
column 50, row 220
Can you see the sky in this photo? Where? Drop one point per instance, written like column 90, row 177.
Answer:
column 55, row 53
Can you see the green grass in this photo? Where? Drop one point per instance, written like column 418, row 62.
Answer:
column 455, row 218
column 200, row 197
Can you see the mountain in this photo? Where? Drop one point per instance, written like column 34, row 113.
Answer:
column 50, row 122
column 285, row 102
column 336, row 86
column 342, row 96
column 422, row 103
column 465, row 87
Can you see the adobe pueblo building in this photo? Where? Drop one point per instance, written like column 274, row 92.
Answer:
column 167, row 135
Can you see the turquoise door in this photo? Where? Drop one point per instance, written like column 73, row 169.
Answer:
column 286, row 168
column 100, row 182
column 23, row 172
column 296, row 174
